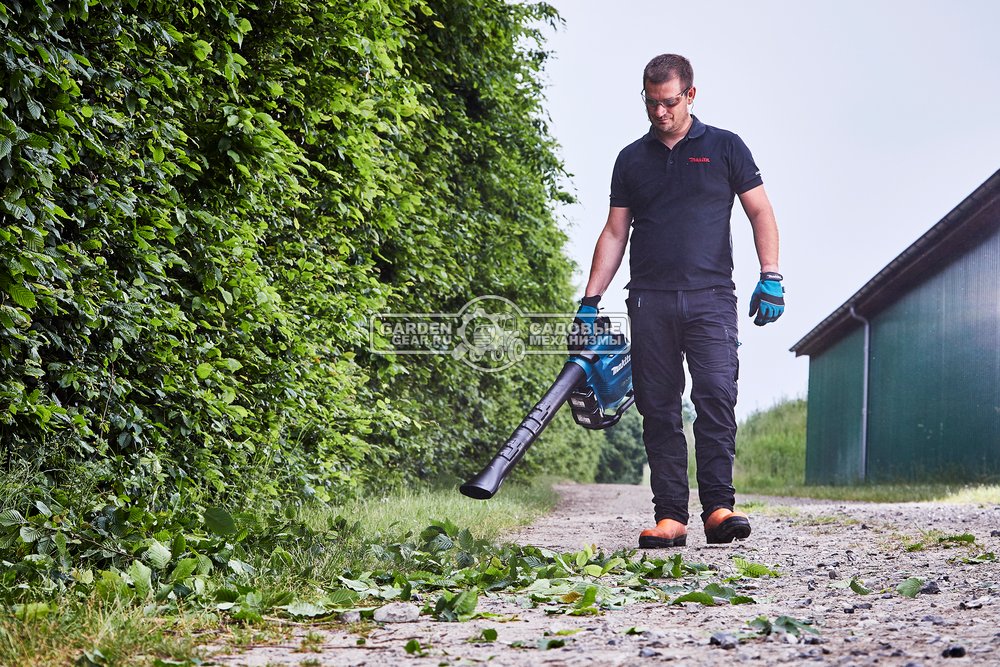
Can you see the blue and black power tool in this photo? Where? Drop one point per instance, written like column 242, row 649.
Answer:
column 597, row 382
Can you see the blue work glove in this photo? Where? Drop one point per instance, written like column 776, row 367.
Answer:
column 582, row 333
column 768, row 300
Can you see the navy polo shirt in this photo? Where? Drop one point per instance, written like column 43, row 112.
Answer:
column 681, row 200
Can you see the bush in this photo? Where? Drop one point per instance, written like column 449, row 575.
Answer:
column 202, row 207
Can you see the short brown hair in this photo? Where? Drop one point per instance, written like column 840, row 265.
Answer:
column 669, row 66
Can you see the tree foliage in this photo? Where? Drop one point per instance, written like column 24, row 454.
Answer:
column 202, row 206
column 622, row 454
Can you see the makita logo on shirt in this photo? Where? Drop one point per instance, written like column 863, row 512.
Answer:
column 699, row 159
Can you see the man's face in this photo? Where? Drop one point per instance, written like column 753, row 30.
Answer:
column 668, row 120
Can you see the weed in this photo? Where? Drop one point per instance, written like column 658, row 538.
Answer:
column 747, row 569
column 756, row 506
column 911, row 587
column 858, row 586
column 985, row 557
column 311, row 643
column 487, row 635
column 415, row 648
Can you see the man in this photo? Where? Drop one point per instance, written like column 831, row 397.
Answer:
column 675, row 187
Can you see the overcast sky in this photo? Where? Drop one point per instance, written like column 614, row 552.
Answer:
column 870, row 120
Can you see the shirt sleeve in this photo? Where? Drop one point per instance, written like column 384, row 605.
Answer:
column 743, row 172
column 619, row 191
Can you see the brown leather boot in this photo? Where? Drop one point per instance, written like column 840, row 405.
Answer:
column 724, row 525
column 668, row 533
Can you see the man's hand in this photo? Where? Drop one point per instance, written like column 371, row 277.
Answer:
column 582, row 334
column 768, row 300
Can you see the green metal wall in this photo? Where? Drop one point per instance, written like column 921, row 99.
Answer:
column 934, row 398
column 833, row 424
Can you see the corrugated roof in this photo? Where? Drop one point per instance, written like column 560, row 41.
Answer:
column 964, row 226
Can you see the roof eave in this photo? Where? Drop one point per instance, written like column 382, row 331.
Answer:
column 960, row 229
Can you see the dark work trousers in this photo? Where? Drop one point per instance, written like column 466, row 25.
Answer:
column 668, row 326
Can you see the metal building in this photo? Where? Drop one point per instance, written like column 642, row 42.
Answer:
column 904, row 377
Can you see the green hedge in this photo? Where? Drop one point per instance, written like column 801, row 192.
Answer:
column 203, row 204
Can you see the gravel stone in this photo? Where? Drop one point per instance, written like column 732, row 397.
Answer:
column 397, row 612
column 351, row 616
column 931, row 588
column 724, row 640
column 954, row 651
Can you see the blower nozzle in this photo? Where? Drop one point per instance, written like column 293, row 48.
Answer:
column 597, row 382
column 484, row 485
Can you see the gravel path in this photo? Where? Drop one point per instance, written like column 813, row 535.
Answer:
column 818, row 548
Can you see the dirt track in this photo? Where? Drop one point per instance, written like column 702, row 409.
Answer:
column 818, row 548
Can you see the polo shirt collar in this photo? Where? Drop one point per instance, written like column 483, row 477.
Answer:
column 696, row 130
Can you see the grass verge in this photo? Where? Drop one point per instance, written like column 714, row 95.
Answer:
column 406, row 510
column 93, row 632
column 390, row 517
column 890, row 493
column 771, row 456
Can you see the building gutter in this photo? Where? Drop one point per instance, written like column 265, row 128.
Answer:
column 865, row 372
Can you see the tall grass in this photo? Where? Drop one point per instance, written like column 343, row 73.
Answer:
column 91, row 634
column 391, row 517
column 771, row 449
column 406, row 510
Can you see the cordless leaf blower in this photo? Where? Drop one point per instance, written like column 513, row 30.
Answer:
column 597, row 382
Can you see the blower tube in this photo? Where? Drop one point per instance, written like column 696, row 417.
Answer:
column 485, row 484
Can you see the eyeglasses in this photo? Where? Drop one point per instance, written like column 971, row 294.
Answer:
column 651, row 102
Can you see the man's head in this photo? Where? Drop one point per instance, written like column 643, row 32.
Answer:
column 668, row 66
column 667, row 91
